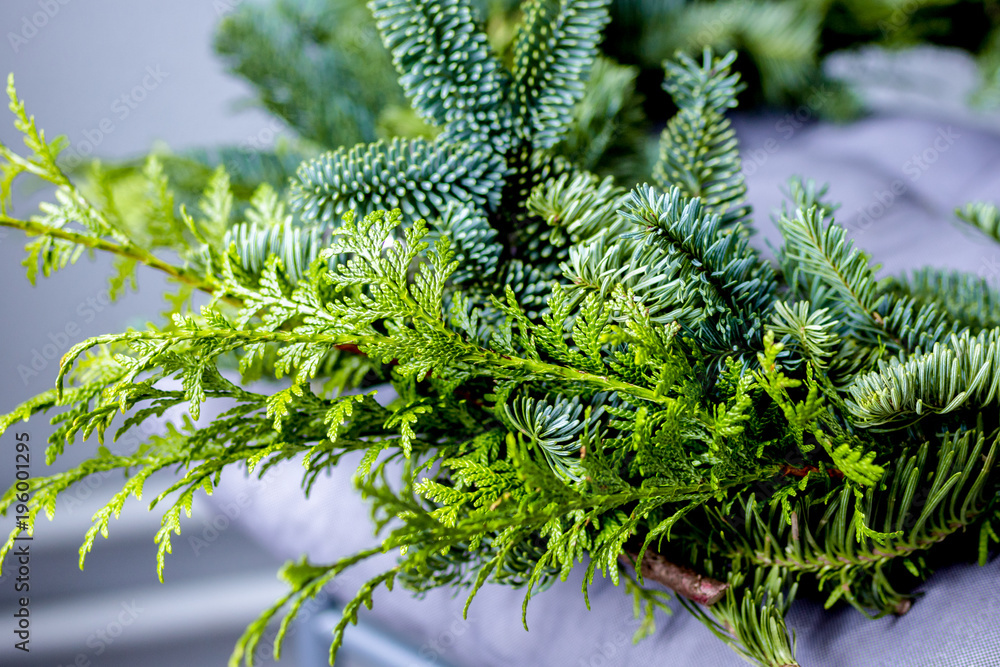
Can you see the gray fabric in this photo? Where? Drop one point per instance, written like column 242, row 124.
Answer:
column 954, row 624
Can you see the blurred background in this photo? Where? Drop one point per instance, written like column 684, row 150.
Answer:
column 904, row 134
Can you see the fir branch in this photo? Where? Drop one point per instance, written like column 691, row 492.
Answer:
column 725, row 305
column 961, row 373
column 964, row 479
column 418, row 176
column 554, row 50
column 538, row 426
column 447, row 70
column 842, row 279
column 751, row 618
column 698, row 148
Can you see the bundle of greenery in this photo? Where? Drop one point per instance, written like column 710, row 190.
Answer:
column 586, row 375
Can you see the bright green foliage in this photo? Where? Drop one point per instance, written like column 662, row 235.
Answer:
column 474, row 240
column 190, row 172
column 585, row 372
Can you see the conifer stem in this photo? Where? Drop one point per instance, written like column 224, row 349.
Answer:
column 683, row 581
column 572, row 374
column 129, row 251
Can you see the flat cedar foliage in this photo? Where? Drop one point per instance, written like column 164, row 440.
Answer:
column 585, row 374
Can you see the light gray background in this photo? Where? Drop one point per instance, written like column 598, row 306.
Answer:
column 88, row 54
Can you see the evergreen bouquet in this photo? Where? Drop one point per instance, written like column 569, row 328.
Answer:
column 585, row 374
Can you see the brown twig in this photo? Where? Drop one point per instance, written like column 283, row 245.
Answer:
column 683, row 581
column 805, row 470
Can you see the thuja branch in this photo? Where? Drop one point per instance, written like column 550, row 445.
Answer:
column 579, row 424
column 237, row 338
column 572, row 374
column 199, row 281
column 476, row 357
